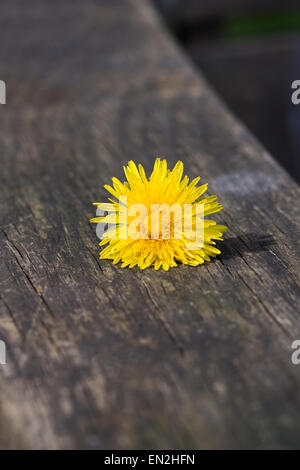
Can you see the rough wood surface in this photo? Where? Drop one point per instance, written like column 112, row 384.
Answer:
column 98, row 356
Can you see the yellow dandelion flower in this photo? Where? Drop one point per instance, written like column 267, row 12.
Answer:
column 155, row 221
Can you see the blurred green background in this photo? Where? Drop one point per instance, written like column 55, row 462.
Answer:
column 249, row 50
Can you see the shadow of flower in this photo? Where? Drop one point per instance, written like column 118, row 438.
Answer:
column 246, row 243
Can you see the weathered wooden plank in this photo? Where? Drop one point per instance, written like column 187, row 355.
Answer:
column 104, row 357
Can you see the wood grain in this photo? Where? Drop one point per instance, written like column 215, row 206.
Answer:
column 99, row 356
